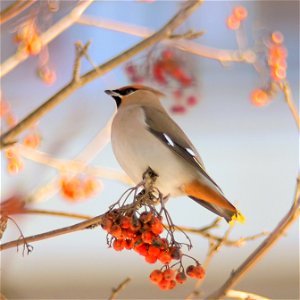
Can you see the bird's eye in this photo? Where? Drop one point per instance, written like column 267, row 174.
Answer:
column 127, row 91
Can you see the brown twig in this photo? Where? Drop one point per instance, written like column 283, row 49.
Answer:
column 234, row 294
column 222, row 55
column 163, row 33
column 53, row 233
column 118, row 289
column 14, row 9
column 47, row 36
column 266, row 245
column 285, row 87
column 54, row 213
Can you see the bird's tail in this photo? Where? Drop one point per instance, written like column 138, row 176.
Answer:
column 212, row 198
column 229, row 215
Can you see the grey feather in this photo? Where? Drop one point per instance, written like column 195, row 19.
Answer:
column 168, row 132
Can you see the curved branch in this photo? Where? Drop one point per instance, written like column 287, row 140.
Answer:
column 163, row 33
column 14, row 9
column 265, row 246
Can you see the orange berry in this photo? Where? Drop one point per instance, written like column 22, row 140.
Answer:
column 169, row 274
column 240, row 12
column 106, row 224
column 190, row 271
column 10, row 153
column 277, row 37
column 165, row 257
column 153, row 250
column 72, row 189
column 164, row 284
column 233, row 22
column 116, row 231
column 151, row 259
column 141, row 249
column 156, row 276
column 90, row 187
column 157, row 228
column 172, row 284
column 125, row 222
column 34, row 46
column 32, row 140
column 147, row 237
column 4, row 108
column 10, row 120
column 278, row 51
column 259, row 97
column 192, row 101
column 278, row 73
column 118, row 245
column 129, row 234
column 14, row 166
column 199, row 272
column 180, row 277
column 135, row 224
column 47, row 75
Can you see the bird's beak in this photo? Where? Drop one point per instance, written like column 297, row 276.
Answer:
column 110, row 93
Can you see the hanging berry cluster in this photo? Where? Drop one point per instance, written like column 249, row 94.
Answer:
column 276, row 65
column 32, row 138
column 168, row 69
column 138, row 226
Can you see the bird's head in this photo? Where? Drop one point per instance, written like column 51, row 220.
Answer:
column 133, row 94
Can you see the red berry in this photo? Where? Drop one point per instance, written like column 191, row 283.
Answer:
column 181, row 277
column 199, row 272
column 146, row 217
column 151, row 259
column 135, row 224
column 141, row 249
column 240, row 12
column 179, row 109
column 106, row 224
column 175, row 253
column 154, row 250
column 165, row 257
column 156, row 276
column 172, row 284
column 116, row 231
column 169, row 274
column 125, row 222
column 191, row 100
column 157, row 228
column 129, row 244
column 190, row 271
column 259, row 97
column 119, row 245
column 147, row 237
column 164, row 284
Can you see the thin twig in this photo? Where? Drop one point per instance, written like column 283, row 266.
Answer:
column 163, row 33
column 14, row 9
column 118, row 289
column 54, row 213
column 71, row 166
column 265, row 246
column 222, row 55
column 285, row 87
column 53, row 233
column 47, row 36
column 80, row 51
column 234, row 294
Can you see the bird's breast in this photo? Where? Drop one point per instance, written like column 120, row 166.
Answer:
column 136, row 149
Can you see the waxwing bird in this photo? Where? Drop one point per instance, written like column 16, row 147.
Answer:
column 144, row 136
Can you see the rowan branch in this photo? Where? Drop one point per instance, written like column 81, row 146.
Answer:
column 265, row 246
column 53, row 233
column 163, row 33
column 75, row 166
column 234, row 294
column 47, row 36
column 118, row 289
column 14, row 9
column 222, row 55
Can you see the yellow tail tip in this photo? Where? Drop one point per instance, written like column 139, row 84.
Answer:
column 237, row 217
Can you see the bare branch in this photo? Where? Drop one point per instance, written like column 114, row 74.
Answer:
column 266, row 245
column 14, row 9
column 120, row 287
column 80, row 51
column 163, row 33
column 234, row 294
column 222, row 55
column 285, row 87
column 47, row 36
column 53, row 233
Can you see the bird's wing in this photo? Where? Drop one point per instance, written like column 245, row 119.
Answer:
column 168, row 132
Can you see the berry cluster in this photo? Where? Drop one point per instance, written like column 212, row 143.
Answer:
column 78, row 188
column 277, row 55
column 168, row 69
column 32, row 139
column 276, row 66
column 238, row 15
column 168, row 279
column 141, row 232
column 28, row 38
